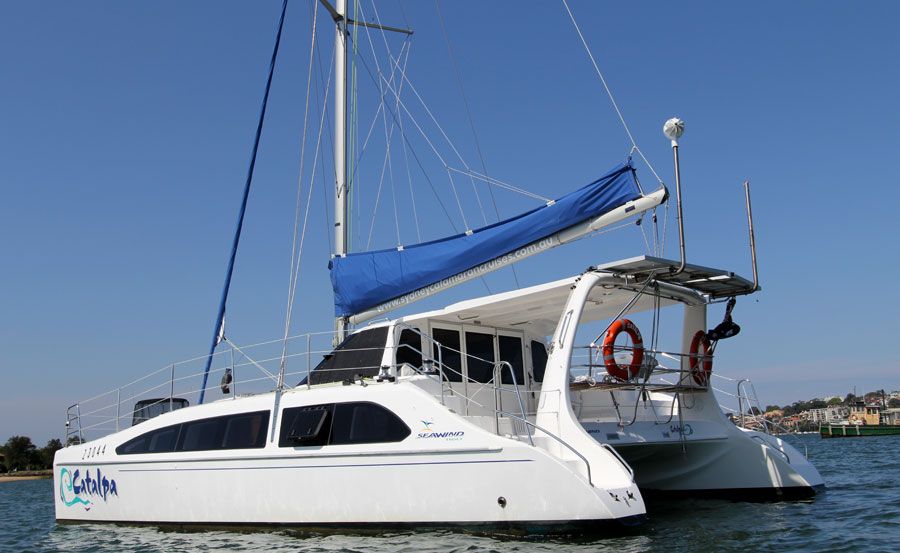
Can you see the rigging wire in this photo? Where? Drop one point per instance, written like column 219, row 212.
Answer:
column 609, row 92
column 418, row 160
column 462, row 93
column 389, row 133
column 500, row 183
column 295, row 265
column 295, row 270
column 218, row 331
column 405, row 79
column 415, row 156
column 412, row 194
column 329, row 226
column 434, row 150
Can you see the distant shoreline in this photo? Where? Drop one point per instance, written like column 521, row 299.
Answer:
column 26, row 475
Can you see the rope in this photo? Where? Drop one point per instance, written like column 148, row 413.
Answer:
column 220, row 318
column 609, row 92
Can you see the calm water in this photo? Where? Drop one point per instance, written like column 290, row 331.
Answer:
column 860, row 511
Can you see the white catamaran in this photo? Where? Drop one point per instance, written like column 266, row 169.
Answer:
column 489, row 413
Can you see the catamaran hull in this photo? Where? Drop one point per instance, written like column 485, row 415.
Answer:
column 734, row 468
column 464, row 477
column 699, row 453
column 469, row 489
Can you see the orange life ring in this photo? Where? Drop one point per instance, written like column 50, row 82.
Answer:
column 700, row 371
column 614, row 369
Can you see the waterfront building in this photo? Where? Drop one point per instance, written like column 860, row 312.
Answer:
column 891, row 416
column 831, row 414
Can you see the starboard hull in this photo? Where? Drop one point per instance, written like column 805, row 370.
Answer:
column 466, row 477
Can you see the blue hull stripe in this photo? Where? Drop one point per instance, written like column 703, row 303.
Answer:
column 329, row 466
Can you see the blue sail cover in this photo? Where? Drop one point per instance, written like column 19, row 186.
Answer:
column 365, row 280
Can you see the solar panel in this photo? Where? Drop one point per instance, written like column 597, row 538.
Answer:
column 717, row 283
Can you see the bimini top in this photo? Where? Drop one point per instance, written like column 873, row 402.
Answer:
column 538, row 308
column 365, row 280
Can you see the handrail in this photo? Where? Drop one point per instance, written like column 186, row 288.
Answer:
column 558, row 439
column 498, row 396
column 426, row 359
column 772, row 446
column 765, row 425
column 70, row 431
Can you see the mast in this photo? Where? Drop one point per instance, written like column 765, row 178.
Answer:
column 340, row 145
column 341, row 189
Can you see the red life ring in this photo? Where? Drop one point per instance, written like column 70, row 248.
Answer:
column 701, row 375
column 614, row 369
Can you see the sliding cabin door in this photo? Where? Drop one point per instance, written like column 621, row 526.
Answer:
column 480, row 355
column 469, row 354
column 446, row 348
column 511, row 348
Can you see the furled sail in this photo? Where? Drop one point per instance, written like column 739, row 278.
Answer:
column 378, row 281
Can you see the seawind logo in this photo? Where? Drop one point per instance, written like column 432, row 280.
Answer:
column 77, row 490
column 685, row 430
column 427, row 432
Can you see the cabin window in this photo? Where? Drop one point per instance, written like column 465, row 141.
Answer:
column 409, row 348
column 305, row 426
column 511, row 352
column 357, row 422
column 240, row 431
column 480, row 356
column 202, row 435
column 366, row 423
column 158, row 441
column 449, row 354
column 163, row 440
column 246, row 431
column 359, row 355
column 538, row 360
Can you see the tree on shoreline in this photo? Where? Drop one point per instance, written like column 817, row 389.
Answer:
column 21, row 454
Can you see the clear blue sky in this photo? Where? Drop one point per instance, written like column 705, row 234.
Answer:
column 125, row 130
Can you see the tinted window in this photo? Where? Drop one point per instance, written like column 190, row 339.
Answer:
column 480, row 356
column 137, row 445
column 305, row 426
column 246, row 431
column 243, row 431
column 203, row 434
column 360, row 354
column 366, row 423
column 538, row 360
column 340, row 424
column 511, row 352
column 163, row 440
column 409, row 348
column 158, row 441
column 449, row 353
